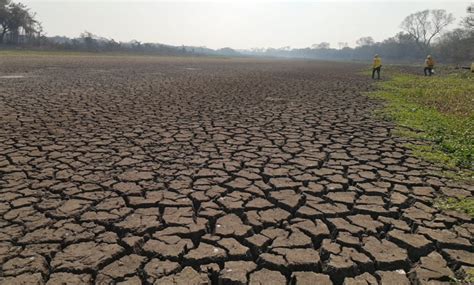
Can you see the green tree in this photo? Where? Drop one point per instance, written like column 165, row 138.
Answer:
column 16, row 19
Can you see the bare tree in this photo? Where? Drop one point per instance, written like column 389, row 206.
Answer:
column 425, row 25
column 468, row 21
column 365, row 41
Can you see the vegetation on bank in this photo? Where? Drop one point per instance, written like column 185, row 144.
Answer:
column 32, row 52
column 423, row 32
column 26, row 52
column 439, row 111
column 463, row 205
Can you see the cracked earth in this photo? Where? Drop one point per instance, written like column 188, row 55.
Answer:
column 144, row 170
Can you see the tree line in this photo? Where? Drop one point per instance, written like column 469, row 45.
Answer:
column 424, row 32
column 87, row 41
column 20, row 29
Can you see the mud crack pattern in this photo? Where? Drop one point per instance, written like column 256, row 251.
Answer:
column 143, row 170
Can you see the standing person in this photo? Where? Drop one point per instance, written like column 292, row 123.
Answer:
column 429, row 64
column 376, row 66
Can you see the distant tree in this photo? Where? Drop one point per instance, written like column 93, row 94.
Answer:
column 456, row 46
column 16, row 20
column 4, row 18
column 425, row 25
column 137, row 45
column 89, row 40
column 38, row 31
column 323, row 45
column 342, row 45
column 112, row 45
column 468, row 21
column 257, row 50
column 365, row 41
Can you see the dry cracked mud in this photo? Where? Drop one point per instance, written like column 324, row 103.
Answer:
column 141, row 170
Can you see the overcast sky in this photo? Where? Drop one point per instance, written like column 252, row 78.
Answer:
column 236, row 24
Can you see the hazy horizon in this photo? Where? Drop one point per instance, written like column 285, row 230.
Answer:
column 235, row 24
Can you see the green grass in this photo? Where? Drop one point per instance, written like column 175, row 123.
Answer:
column 469, row 278
column 462, row 205
column 438, row 110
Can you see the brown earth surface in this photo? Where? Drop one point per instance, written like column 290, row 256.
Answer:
column 142, row 170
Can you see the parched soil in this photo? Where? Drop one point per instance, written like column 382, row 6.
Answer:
column 140, row 170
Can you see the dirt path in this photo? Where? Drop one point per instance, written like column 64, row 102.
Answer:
column 186, row 171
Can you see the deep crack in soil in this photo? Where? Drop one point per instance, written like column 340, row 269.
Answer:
column 140, row 170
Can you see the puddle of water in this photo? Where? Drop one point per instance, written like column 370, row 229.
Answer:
column 12, row 76
column 192, row 68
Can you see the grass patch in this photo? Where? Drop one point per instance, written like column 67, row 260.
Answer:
column 432, row 154
column 438, row 110
column 469, row 278
column 452, row 94
column 465, row 205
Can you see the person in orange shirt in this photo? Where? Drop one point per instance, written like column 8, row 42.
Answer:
column 429, row 65
column 376, row 66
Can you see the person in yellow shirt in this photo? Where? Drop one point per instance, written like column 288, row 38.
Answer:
column 429, row 65
column 376, row 66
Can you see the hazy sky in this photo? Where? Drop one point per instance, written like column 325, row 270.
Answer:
column 236, row 24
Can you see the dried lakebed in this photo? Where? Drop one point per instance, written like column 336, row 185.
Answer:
column 141, row 170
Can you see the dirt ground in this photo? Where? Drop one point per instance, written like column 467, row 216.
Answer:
column 141, row 170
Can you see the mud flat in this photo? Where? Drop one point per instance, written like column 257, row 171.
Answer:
column 144, row 170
